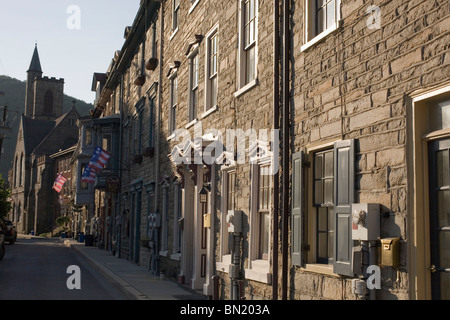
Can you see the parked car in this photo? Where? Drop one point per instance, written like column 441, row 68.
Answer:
column 10, row 231
column 2, row 242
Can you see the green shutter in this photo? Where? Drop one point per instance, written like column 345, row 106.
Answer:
column 344, row 196
column 296, row 214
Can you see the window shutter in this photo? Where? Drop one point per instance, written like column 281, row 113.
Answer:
column 297, row 201
column 344, row 196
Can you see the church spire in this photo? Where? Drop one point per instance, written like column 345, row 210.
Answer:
column 35, row 64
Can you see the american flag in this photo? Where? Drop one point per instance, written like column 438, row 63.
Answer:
column 88, row 175
column 59, row 182
column 99, row 159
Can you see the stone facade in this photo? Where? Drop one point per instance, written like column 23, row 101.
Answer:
column 354, row 84
column 355, row 88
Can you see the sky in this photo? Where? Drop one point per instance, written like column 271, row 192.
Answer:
column 74, row 38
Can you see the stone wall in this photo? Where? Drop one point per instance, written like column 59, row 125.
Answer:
column 353, row 85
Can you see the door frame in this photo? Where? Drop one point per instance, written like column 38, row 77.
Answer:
column 418, row 226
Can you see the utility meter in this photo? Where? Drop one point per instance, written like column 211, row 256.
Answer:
column 365, row 221
column 234, row 221
column 154, row 220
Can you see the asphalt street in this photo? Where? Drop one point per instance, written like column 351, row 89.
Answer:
column 37, row 269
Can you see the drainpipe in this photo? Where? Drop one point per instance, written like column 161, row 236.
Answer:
column 118, row 234
column 276, row 127
column 286, row 173
column 158, row 125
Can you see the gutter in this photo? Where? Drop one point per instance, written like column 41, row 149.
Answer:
column 276, row 127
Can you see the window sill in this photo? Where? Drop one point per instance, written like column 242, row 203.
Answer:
column 174, row 33
column 224, row 265
column 164, row 253
column 246, row 88
column 260, row 272
column 208, row 112
column 171, row 137
column 176, row 256
column 320, row 268
column 193, row 6
column 319, row 37
column 190, row 124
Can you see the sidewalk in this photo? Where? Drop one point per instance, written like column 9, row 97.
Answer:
column 134, row 281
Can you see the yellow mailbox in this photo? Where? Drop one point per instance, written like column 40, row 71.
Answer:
column 390, row 252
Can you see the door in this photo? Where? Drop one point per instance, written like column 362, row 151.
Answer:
column 439, row 164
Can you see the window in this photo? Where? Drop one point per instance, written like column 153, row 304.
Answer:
column 322, row 17
column 193, row 99
column 173, row 104
column 250, row 39
column 48, row 102
column 248, row 48
column 178, row 212
column 323, row 181
column 175, row 14
column 264, row 211
column 84, row 186
column 137, row 134
column 259, row 221
column 151, row 124
column 88, row 138
column 324, row 201
column 230, row 192
column 212, row 67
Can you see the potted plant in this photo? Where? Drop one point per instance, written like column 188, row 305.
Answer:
column 137, row 158
column 151, row 64
column 140, row 80
column 148, row 152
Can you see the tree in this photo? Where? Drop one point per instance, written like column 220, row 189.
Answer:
column 5, row 199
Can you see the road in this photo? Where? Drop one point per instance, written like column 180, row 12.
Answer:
column 36, row 269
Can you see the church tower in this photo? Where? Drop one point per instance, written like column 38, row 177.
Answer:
column 44, row 96
column 33, row 73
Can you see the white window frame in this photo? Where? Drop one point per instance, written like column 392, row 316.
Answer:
column 310, row 34
column 242, row 83
column 194, row 80
column 209, row 108
column 173, row 103
column 177, row 215
column 175, row 16
column 225, row 253
column 258, row 269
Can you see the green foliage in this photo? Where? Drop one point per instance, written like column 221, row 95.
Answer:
column 61, row 221
column 5, row 203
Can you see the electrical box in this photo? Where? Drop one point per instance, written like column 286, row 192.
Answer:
column 365, row 221
column 207, row 220
column 390, row 252
column 154, row 220
column 234, row 221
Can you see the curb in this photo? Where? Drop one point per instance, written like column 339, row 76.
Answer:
column 129, row 291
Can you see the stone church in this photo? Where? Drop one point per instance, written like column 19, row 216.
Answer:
column 43, row 131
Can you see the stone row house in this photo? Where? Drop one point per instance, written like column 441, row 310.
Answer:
column 280, row 149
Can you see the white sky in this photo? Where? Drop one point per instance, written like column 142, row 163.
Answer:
column 70, row 53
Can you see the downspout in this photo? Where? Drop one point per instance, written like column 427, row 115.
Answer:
column 286, row 175
column 119, row 213
column 158, row 122
column 276, row 127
